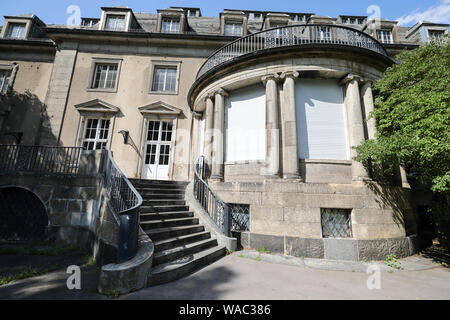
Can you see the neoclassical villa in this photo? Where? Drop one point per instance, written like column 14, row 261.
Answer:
column 259, row 111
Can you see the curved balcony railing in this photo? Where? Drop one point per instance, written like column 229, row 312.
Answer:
column 126, row 202
column 304, row 34
column 217, row 209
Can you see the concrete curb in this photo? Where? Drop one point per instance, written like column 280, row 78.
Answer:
column 222, row 240
column 406, row 264
column 131, row 275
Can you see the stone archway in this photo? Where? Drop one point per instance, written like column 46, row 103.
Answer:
column 23, row 216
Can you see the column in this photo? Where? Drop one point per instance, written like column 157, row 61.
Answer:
column 209, row 127
column 355, row 124
column 289, row 127
column 367, row 95
column 272, row 167
column 218, row 138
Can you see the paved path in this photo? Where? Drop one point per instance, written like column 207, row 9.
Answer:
column 242, row 278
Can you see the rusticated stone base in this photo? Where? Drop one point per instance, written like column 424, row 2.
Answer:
column 332, row 249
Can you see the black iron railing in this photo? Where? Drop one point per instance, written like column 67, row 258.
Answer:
column 39, row 159
column 304, row 34
column 126, row 203
column 216, row 208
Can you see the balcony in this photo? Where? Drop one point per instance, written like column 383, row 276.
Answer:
column 291, row 36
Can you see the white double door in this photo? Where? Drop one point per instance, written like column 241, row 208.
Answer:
column 157, row 150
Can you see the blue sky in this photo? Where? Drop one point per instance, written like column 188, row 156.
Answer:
column 407, row 12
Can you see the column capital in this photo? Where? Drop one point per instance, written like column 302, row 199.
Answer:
column 349, row 78
column 209, row 96
column 366, row 82
column 221, row 92
column 272, row 76
column 197, row 115
column 289, row 74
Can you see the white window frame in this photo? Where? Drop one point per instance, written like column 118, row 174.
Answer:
column 6, row 81
column 12, row 24
column 93, row 74
column 98, row 130
column 172, row 23
column 118, row 17
column 323, row 33
column 165, row 64
column 12, row 69
column 234, row 25
column 381, row 36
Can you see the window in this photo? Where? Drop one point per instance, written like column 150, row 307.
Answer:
column 323, row 33
column 5, row 75
column 105, row 76
column 16, row 30
column 384, row 36
column 240, row 217
column 435, row 34
column 281, row 31
column 170, row 25
column 116, row 23
column 96, row 134
column 233, row 29
column 164, row 79
column 336, row 223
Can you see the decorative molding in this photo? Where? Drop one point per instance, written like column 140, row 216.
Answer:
column 289, row 74
column 349, row 78
column 273, row 76
column 160, row 108
column 221, row 92
column 97, row 106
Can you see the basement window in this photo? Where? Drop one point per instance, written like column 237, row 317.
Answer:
column 336, row 223
column 240, row 217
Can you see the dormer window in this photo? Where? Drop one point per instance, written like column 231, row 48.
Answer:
column 233, row 28
column 435, row 34
column 384, row 36
column 323, row 33
column 16, row 30
column 170, row 25
column 115, row 23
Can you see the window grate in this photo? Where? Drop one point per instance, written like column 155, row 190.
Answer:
column 336, row 223
column 240, row 217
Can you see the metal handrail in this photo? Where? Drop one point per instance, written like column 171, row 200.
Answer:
column 126, row 203
column 217, row 209
column 40, row 159
column 302, row 34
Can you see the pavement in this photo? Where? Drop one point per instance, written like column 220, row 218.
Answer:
column 250, row 275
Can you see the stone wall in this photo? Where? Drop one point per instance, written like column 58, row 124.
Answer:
column 285, row 217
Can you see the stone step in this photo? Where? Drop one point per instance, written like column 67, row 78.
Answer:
column 169, row 243
column 163, row 202
column 155, row 209
column 161, row 186
column 184, row 266
column 182, row 251
column 166, row 233
column 158, row 224
column 166, row 215
column 150, row 196
column 140, row 182
column 145, row 192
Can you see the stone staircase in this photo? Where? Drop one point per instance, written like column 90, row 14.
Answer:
column 182, row 245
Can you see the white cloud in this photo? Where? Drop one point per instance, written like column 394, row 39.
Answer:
column 439, row 13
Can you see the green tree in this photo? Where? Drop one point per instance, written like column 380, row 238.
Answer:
column 412, row 115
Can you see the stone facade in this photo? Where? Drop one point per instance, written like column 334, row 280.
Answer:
column 51, row 97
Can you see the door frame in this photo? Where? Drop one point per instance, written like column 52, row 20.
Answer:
column 144, row 130
column 158, row 111
column 158, row 148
